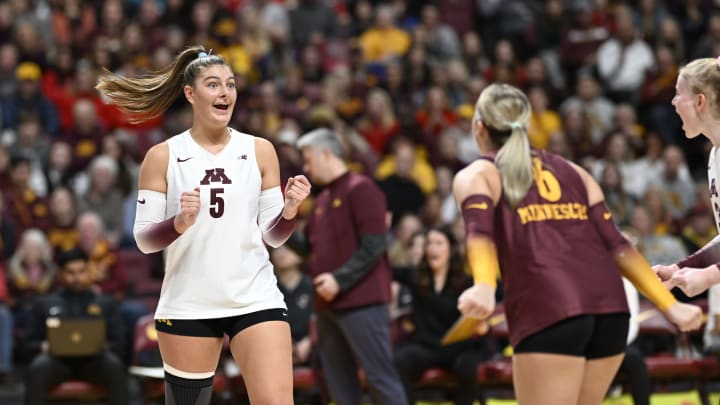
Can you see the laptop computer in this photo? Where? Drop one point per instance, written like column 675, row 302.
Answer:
column 76, row 337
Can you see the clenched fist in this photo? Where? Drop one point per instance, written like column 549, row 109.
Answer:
column 189, row 209
column 297, row 190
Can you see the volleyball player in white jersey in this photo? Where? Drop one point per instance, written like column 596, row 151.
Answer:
column 211, row 196
column 697, row 102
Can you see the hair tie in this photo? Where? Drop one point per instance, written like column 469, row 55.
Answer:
column 516, row 125
column 204, row 54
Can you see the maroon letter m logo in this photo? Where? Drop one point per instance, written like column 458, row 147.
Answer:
column 215, row 176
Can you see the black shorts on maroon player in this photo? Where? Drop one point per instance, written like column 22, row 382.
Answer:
column 589, row 336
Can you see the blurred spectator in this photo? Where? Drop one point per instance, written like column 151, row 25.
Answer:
column 462, row 132
column 63, row 233
column 403, row 194
column 676, row 183
column 6, row 332
column 655, row 201
column 107, row 272
column 700, row 227
column 421, row 172
column 103, row 197
column 442, row 41
column 24, row 206
column 378, row 124
column 589, row 99
column 384, row 41
column 657, row 93
column 544, row 121
column 8, row 236
column 648, row 17
column 619, row 202
column 626, row 122
column 436, row 284
column 8, row 61
column 399, row 249
column 309, row 20
column 671, row 38
column 506, row 67
column 710, row 38
column 435, row 115
column 29, row 100
column 86, row 135
column 31, row 274
column 298, row 291
column 692, row 16
column 617, row 151
column 623, row 59
column 473, row 54
column 657, row 248
column 580, row 41
column 31, row 143
column 76, row 300
column 447, row 153
column 57, row 168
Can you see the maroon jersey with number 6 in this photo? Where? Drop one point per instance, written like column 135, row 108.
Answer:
column 553, row 263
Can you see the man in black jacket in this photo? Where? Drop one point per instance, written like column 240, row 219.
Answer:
column 75, row 300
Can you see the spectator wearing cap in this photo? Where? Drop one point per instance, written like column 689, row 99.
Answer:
column 467, row 147
column 29, row 100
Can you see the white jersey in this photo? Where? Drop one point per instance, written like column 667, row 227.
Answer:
column 714, row 291
column 220, row 266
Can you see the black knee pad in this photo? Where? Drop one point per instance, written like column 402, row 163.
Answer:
column 184, row 391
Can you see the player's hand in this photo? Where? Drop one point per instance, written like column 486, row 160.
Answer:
column 189, row 209
column 693, row 281
column 302, row 350
column 477, row 301
column 687, row 317
column 326, row 286
column 297, row 190
column 665, row 274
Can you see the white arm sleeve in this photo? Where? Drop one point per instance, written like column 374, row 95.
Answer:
column 270, row 206
column 633, row 301
column 150, row 211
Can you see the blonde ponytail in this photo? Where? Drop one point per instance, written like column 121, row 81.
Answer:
column 515, row 165
column 504, row 111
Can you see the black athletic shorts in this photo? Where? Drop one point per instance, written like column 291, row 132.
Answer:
column 589, row 336
column 217, row 327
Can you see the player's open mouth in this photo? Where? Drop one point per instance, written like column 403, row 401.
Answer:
column 223, row 107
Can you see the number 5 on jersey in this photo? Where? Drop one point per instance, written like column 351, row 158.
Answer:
column 217, row 203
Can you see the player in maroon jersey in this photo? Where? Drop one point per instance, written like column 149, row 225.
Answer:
column 543, row 221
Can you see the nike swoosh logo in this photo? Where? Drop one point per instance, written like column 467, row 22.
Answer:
column 607, row 215
column 142, row 201
column 480, row 206
column 184, row 160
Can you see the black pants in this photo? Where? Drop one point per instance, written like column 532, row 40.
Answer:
column 636, row 372
column 46, row 371
column 412, row 359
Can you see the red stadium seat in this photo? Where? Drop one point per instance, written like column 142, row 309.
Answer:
column 77, row 391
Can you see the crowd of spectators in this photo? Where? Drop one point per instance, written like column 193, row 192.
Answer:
column 397, row 80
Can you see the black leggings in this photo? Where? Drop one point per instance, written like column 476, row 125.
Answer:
column 589, row 336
